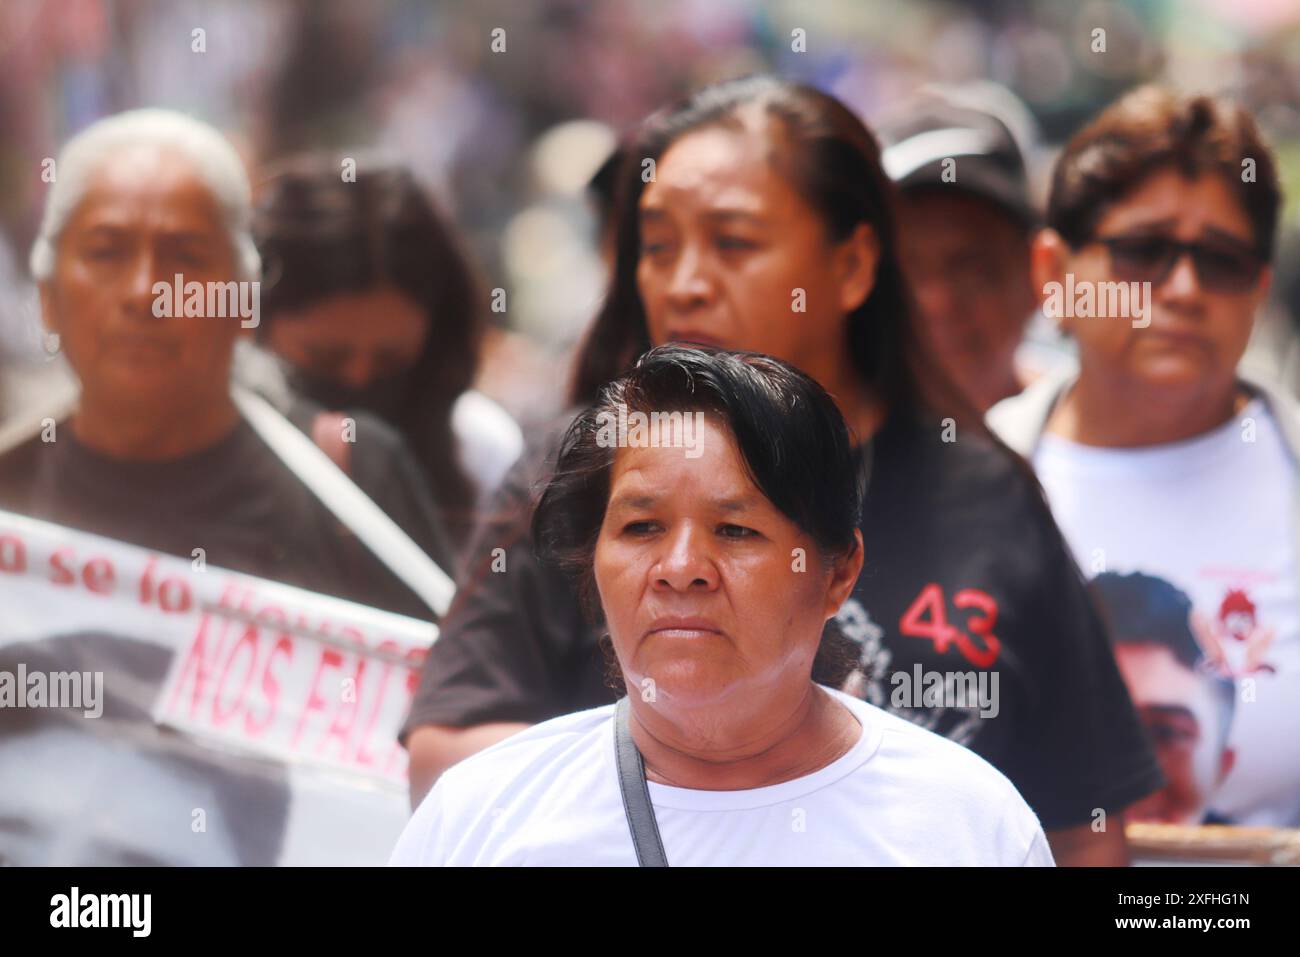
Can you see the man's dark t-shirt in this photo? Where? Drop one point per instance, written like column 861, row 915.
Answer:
column 249, row 513
column 965, row 577
column 236, row 500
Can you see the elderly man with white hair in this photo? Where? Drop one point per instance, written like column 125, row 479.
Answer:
column 159, row 450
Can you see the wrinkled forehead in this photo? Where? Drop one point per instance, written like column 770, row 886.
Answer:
column 679, row 456
column 139, row 184
column 1188, row 206
column 723, row 164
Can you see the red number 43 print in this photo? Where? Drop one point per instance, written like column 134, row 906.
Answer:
column 927, row 618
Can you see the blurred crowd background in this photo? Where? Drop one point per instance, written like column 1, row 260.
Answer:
column 507, row 140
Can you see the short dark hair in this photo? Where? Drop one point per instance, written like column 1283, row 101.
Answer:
column 1147, row 609
column 789, row 433
column 1144, row 609
column 1150, row 129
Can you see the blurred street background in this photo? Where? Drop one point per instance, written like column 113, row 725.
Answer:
column 507, row 138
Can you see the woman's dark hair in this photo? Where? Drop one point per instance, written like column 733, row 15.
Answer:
column 833, row 160
column 321, row 236
column 1152, row 128
column 788, row 431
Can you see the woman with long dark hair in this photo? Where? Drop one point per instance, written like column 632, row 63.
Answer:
column 372, row 305
column 756, row 216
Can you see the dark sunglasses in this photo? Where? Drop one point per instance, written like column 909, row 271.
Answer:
column 1220, row 268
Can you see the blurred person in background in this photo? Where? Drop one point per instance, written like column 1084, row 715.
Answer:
column 1160, row 456
column 1186, row 707
column 602, row 194
column 1273, row 353
column 965, row 224
column 767, row 197
column 158, row 450
column 27, row 376
column 155, row 451
column 372, row 305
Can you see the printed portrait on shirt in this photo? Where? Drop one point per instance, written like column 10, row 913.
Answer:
column 1183, row 699
column 1236, row 641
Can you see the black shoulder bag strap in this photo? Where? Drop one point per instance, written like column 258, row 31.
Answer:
column 636, row 794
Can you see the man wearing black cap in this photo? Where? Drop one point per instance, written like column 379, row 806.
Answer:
column 966, row 222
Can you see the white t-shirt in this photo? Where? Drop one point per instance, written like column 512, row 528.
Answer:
column 488, row 440
column 1212, row 516
column 549, row 796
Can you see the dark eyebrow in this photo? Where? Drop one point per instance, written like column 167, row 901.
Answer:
column 743, row 504
column 1173, row 711
column 731, row 215
column 632, row 501
column 1231, row 239
column 654, row 214
column 188, row 236
column 1147, row 226
column 114, row 231
column 111, row 230
column 1159, row 227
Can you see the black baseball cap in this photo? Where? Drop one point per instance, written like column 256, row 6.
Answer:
column 987, row 159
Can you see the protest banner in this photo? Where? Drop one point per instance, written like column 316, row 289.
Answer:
column 154, row 709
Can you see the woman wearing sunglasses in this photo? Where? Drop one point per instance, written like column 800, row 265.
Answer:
column 1158, row 456
column 756, row 215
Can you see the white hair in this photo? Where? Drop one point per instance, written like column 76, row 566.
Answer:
column 214, row 160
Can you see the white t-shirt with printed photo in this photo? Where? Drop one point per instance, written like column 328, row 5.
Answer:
column 549, row 796
column 1213, row 516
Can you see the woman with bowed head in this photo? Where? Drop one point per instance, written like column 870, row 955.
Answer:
column 371, row 305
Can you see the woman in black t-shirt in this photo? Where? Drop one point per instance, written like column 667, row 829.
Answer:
column 756, row 216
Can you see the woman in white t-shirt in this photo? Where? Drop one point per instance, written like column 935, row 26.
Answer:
column 709, row 503
column 1169, row 471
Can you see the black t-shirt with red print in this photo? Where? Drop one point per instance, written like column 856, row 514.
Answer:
column 970, row 618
